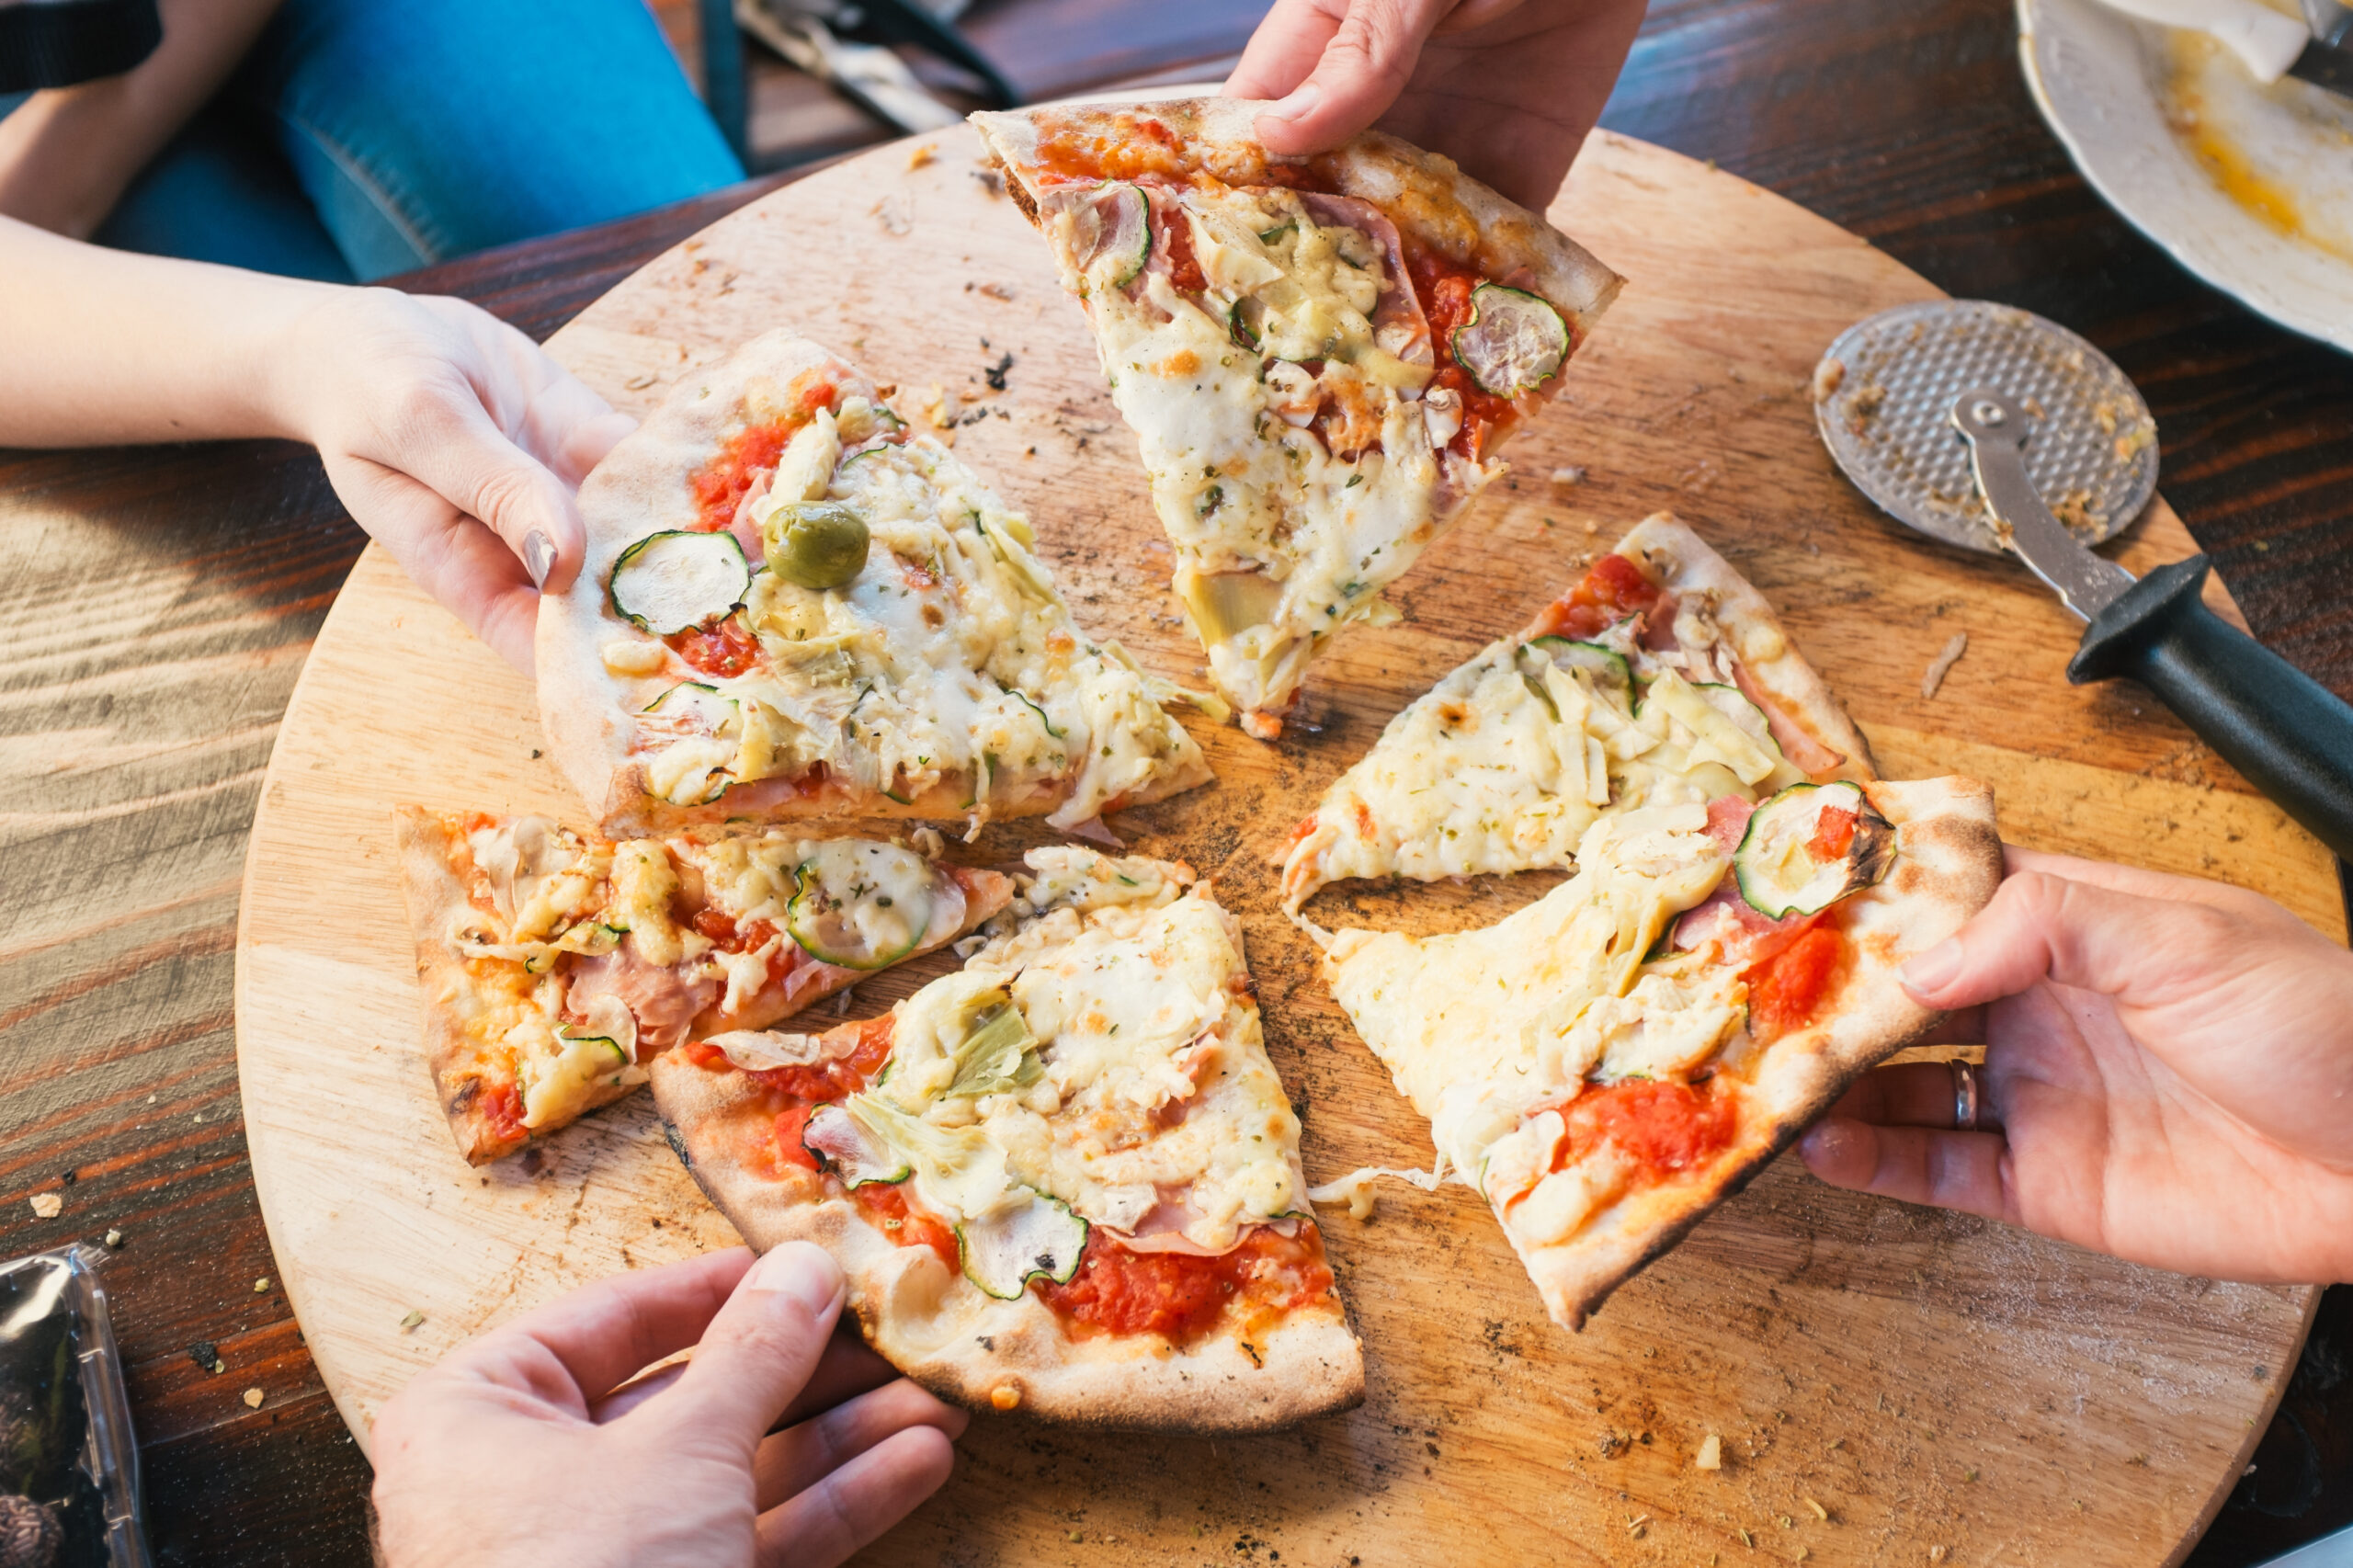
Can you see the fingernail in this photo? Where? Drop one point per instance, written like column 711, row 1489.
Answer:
column 1300, row 104
column 802, row 1270
column 1934, row 970
column 538, row 554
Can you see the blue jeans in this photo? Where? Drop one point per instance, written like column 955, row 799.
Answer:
column 367, row 137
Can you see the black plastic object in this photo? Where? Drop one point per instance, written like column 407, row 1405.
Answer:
column 69, row 1468
column 897, row 21
column 2288, row 735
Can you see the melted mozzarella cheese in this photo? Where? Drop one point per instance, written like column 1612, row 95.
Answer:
column 1155, row 1093
column 1484, row 1030
column 951, row 656
column 1507, row 762
column 1241, row 485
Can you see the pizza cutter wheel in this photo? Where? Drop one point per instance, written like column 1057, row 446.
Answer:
column 1993, row 429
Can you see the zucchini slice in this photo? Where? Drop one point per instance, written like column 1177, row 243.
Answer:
column 1613, row 677
column 1003, row 1252
column 1792, row 861
column 1114, row 238
column 1513, row 343
column 859, row 904
column 693, row 705
column 679, row 581
column 842, row 1146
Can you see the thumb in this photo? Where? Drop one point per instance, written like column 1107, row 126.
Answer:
column 760, row 1348
column 1363, row 68
column 2042, row 926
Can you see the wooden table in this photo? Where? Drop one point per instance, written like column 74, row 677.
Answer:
column 155, row 605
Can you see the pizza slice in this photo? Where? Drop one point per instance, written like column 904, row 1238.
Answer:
column 1661, row 676
column 791, row 607
column 1064, row 1179
column 1612, row 1062
column 556, row 964
column 1318, row 355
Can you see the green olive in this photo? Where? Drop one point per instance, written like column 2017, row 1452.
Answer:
column 818, row 544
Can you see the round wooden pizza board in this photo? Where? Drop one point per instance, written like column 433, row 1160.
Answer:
column 1928, row 1380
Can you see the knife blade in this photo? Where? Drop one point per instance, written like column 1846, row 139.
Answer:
column 1997, row 429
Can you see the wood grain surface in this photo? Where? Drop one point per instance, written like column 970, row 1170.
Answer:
column 1836, row 1344
column 131, row 742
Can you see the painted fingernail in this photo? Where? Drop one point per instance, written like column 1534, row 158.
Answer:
column 802, row 1270
column 1934, row 970
column 538, row 554
column 1300, row 104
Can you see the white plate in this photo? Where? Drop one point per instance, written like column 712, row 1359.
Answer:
column 2249, row 187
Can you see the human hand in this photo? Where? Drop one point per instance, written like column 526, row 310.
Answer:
column 518, row 1451
column 2169, row 1065
column 453, row 440
column 1506, row 88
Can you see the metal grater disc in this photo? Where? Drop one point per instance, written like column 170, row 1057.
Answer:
column 1883, row 398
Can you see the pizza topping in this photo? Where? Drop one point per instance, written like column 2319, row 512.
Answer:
column 679, row 579
column 629, row 657
column 1785, row 989
column 998, row 1055
column 1036, row 1238
column 861, row 905
column 946, row 670
column 757, row 1050
column 1110, row 235
column 1611, row 589
column 818, row 544
column 1604, row 667
column 1513, row 343
column 1117, row 1290
column 844, row 1146
column 1811, row 846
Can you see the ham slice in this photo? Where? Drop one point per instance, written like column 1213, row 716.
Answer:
column 1810, row 756
column 1398, row 324
column 663, row 1003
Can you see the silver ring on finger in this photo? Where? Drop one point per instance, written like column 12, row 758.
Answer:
column 1965, row 1101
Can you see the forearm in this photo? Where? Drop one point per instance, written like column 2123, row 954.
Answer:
column 99, row 346
column 67, row 154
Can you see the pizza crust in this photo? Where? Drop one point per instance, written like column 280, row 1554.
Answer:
column 977, row 1351
column 1947, row 866
column 1666, row 552
column 1424, row 192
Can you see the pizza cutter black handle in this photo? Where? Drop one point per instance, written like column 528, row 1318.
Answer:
column 2289, row 735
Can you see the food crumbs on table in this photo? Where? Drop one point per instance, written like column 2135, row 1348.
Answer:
column 1826, row 377
column 1935, row 1554
column 1970, row 1474
column 47, row 1204
column 1566, row 476
column 1819, row 1511
column 253, row 1399
column 411, row 1321
column 1943, row 664
column 205, row 1354
column 1786, row 1522
column 1747, row 1539
column 261, row 1286
column 1710, row 1455
column 114, row 1240
column 2140, row 1460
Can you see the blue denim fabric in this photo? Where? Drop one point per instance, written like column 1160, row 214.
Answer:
column 365, row 137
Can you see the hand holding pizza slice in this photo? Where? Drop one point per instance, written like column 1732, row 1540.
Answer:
column 1319, row 355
